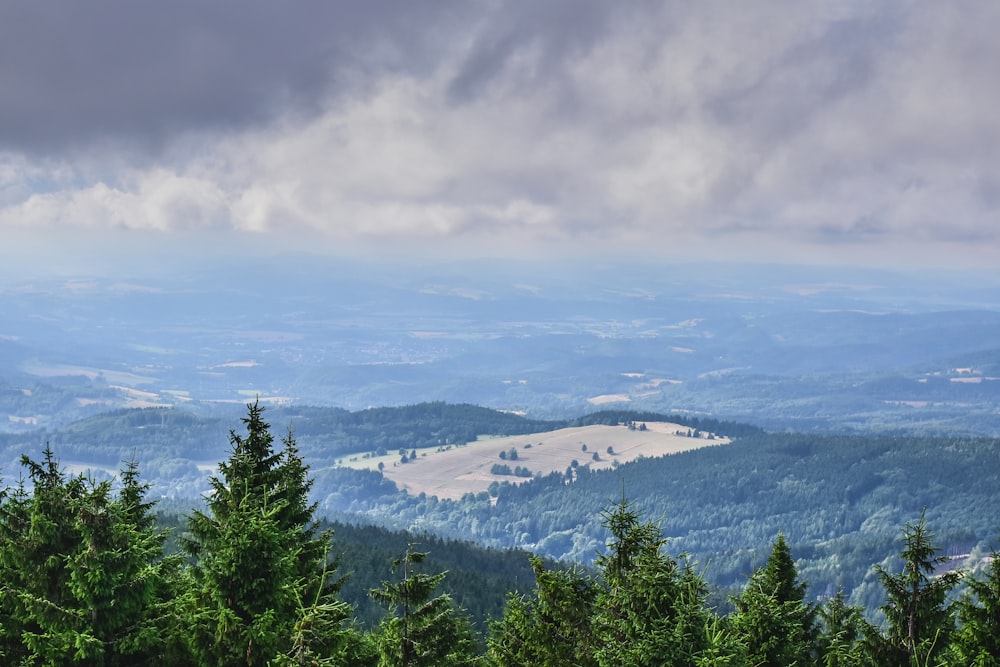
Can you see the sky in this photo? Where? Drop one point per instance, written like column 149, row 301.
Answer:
column 814, row 132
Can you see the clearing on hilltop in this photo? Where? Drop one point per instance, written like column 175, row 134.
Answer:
column 453, row 471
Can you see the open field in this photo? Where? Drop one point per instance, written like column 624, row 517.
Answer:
column 454, row 471
column 43, row 370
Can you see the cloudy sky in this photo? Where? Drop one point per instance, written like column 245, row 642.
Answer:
column 847, row 130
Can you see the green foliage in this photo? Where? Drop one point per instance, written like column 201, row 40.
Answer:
column 920, row 622
column 839, row 499
column 257, row 556
column 479, row 580
column 552, row 626
column 978, row 640
column 843, row 628
column 421, row 630
column 406, row 427
column 772, row 618
column 652, row 609
column 319, row 638
column 779, row 577
column 84, row 579
column 82, row 569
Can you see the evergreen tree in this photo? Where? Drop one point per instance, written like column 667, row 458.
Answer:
column 779, row 577
column 258, row 555
column 652, row 609
column 119, row 574
column 15, row 520
column 83, row 570
column 319, row 639
column 552, row 628
column 772, row 618
column 920, row 622
column 842, row 634
column 771, row 630
column 421, row 630
column 40, row 582
column 978, row 641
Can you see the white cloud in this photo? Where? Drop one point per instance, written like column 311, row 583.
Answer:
column 815, row 125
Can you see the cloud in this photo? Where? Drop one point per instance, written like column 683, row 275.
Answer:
column 817, row 125
column 111, row 70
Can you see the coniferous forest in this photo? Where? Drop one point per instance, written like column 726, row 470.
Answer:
column 87, row 579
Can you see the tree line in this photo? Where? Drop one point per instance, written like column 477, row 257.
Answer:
column 85, row 579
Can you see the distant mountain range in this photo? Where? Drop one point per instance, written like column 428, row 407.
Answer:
column 781, row 347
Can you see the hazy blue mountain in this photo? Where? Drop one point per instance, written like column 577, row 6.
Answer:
column 773, row 345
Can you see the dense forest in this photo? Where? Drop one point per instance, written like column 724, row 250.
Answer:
column 839, row 500
column 87, row 579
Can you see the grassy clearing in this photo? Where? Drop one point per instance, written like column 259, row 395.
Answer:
column 455, row 471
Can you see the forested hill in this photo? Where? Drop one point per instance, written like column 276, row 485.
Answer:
column 87, row 581
column 614, row 417
column 410, row 426
column 839, row 500
column 171, row 444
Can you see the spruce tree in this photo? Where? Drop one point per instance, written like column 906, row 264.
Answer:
column 772, row 618
column 779, row 576
column 259, row 560
column 421, row 631
column 978, row 640
column 552, row 627
column 652, row 608
column 83, row 570
column 14, row 523
column 842, row 633
column 919, row 618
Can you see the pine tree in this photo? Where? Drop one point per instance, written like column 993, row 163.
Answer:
column 920, row 622
column 978, row 641
column 551, row 628
column 652, row 609
column 82, row 570
column 421, row 631
column 772, row 618
column 258, row 555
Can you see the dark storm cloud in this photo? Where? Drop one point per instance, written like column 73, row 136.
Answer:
column 802, row 124
column 550, row 33
column 74, row 72
column 807, row 78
